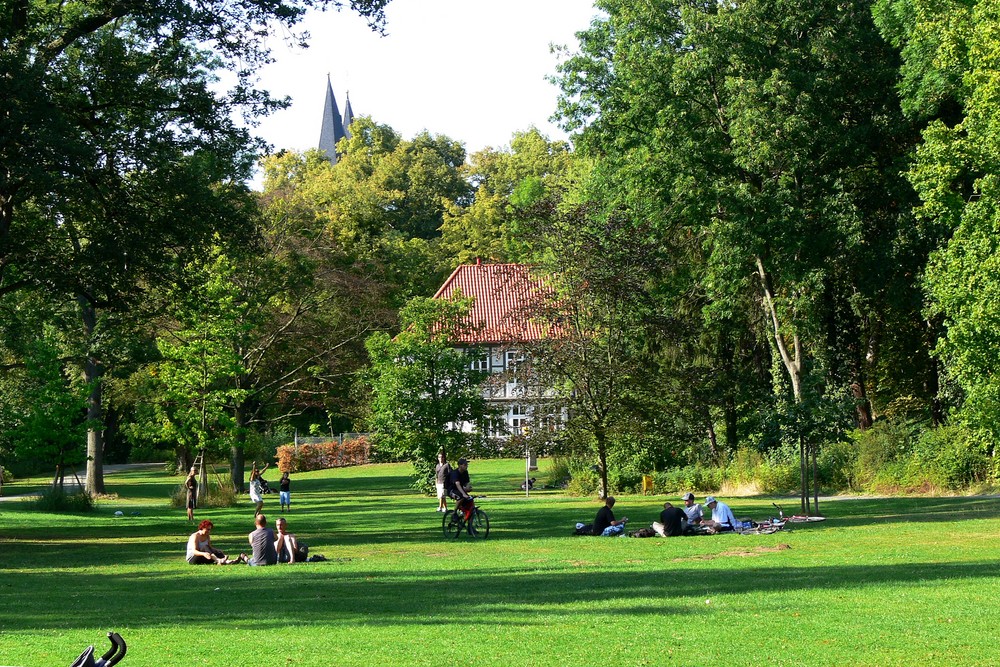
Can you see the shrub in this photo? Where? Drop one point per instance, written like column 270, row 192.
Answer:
column 688, row 478
column 838, row 465
column 950, row 457
column 220, row 494
column 559, row 473
column 55, row 499
column 324, row 455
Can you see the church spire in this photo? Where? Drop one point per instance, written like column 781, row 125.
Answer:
column 333, row 126
column 348, row 116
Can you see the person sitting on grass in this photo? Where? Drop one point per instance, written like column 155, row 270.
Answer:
column 287, row 545
column 605, row 524
column 201, row 552
column 692, row 509
column 262, row 543
column 672, row 523
column 723, row 520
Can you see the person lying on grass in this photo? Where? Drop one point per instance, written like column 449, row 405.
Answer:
column 201, row 552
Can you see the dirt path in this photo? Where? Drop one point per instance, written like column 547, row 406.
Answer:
column 82, row 475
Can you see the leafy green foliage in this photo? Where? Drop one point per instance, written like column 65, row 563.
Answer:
column 426, row 395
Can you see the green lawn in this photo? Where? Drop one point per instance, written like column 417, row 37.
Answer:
column 881, row 582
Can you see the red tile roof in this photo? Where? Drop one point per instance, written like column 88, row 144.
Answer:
column 504, row 298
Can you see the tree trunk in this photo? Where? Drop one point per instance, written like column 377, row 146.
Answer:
column 713, row 441
column 93, row 375
column 237, row 456
column 792, row 361
column 732, row 430
column 862, row 406
column 602, row 458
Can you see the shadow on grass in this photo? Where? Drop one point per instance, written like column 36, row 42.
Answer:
column 326, row 594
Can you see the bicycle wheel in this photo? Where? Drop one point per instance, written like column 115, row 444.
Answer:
column 452, row 524
column 479, row 524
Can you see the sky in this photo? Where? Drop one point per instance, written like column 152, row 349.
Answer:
column 474, row 70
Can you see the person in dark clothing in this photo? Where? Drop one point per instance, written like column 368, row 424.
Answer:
column 672, row 523
column 191, row 484
column 459, row 483
column 605, row 524
column 262, row 543
column 285, row 492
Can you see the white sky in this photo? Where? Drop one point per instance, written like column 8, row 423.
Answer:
column 473, row 70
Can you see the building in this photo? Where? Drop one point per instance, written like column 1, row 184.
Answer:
column 503, row 321
column 335, row 126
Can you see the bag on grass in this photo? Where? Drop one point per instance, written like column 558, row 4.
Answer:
column 584, row 529
column 643, row 532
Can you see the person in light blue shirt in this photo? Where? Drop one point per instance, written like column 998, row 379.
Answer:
column 722, row 519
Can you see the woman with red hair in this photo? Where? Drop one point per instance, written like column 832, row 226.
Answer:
column 201, row 552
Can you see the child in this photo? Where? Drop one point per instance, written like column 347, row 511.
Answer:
column 285, row 494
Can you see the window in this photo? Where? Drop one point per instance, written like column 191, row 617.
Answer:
column 518, row 419
column 512, row 358
column 481, row 362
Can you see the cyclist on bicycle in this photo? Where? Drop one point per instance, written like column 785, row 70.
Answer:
column 459, row 484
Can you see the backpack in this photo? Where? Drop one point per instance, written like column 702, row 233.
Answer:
column 584, row 529
column 643, row 532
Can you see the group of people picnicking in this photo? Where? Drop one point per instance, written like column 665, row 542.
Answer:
column 269, row 549
column 674, row 521
column 266, row 547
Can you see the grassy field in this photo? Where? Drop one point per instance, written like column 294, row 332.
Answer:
column 906, row 581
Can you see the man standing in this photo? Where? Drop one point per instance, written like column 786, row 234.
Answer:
column 672, row 521
column 692, row 509
column 722, row 519
column 441, row 474
column 262, row 543
column 191, row 486
column 605, row 524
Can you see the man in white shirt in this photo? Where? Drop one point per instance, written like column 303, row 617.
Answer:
column 722, row 517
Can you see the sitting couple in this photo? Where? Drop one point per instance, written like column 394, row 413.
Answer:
column 268, row 549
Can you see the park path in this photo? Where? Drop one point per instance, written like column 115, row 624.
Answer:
column 82, row 475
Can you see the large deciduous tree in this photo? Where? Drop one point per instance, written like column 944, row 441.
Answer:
column 117, row 152
column 951, row 79
column 764, row 129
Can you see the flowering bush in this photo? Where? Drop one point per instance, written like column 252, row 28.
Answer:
column 301, row 458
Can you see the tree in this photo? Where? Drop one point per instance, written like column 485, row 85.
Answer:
column 594, row 357
column 117, row 151
column 763, row 129
column 425, row 392
column 506, row 181
column 949, row 80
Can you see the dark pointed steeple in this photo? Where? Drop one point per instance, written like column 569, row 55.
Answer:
column 348, row 116
column 333, row 126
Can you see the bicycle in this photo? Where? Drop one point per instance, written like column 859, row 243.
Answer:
column 467, row 517
column 797, row 518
